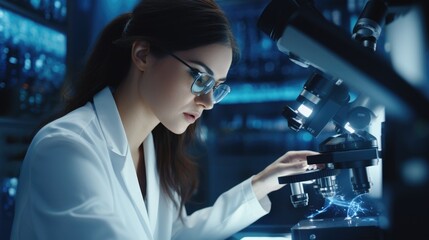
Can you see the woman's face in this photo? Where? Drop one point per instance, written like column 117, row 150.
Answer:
column 166, row 87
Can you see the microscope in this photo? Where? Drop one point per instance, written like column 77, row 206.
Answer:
column 326, row 98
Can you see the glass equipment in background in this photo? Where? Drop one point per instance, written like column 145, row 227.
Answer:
column 33, row 56
column 33, row 66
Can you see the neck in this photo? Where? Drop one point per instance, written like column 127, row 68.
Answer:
column 137, row 118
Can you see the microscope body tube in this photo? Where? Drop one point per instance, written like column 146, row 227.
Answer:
column 370, row 22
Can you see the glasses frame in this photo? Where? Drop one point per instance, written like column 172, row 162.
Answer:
column 197, row 74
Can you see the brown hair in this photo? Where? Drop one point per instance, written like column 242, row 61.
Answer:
column 173, row 24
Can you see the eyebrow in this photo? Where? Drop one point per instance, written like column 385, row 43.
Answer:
column 207, row 69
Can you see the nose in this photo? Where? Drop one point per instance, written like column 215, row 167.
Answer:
column 205, row 100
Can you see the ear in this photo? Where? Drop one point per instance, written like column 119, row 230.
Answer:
column 139, row 54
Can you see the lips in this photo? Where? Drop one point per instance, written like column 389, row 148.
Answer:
column 191, row 116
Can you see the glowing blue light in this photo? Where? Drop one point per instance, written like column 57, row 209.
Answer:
column 35, row 3
column 415, row 171
column 306, row 136
column 57, row 4
column 322, row 210
column 357, row 207
column 354, row 208
column 12, row 192
column 266, row 43
column 9, row 186
column 265, row 92
column 13, row 60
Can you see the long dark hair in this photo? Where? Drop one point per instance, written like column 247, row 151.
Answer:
column 173, row 24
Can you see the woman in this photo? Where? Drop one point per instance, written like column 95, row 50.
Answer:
column 114, row 166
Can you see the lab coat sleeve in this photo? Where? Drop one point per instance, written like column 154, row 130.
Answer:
column 68, row 194
column 233, row 211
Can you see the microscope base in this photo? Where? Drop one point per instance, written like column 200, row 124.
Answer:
column 337, row 228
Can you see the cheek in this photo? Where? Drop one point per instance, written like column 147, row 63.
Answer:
column 163, row 90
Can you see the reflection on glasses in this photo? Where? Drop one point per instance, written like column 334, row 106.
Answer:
column 203, row 83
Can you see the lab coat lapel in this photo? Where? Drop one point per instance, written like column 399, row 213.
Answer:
column 119, row 152
column 126, row 173
column 152, row 181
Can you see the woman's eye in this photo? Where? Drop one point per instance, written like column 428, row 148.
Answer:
column 205, row 78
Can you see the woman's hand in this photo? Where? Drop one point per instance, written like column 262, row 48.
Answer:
column 292, row 162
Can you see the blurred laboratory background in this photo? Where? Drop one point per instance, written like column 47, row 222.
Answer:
column 43, row 47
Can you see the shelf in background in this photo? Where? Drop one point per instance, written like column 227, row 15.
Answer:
column 34, row 15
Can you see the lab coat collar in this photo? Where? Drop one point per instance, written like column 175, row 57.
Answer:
column 120, row 155
column 110, row 122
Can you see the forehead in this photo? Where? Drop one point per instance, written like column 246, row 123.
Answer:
column 217, row 57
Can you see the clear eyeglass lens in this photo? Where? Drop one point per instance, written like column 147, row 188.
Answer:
column 220, row 92
column 203, row 83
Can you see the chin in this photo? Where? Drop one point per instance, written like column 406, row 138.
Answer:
column 178, row 129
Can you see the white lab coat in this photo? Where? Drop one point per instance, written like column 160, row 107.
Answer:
column 78, row 182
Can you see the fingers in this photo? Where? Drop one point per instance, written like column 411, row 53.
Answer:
column 301, row 163
column 320, row 166
column 292, row 167
column 313, row 167
column 301, row 153
column 297, row 156
column 294, row 162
